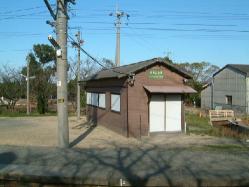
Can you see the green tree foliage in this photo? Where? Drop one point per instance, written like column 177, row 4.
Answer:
column 44, row 53
column 201, row 73
column 72, row 92
column 42, row 65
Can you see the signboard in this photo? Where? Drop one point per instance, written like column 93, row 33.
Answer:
column 156, row 74
column 61, row 100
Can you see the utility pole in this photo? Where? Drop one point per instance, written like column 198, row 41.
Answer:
column 62, row 102
column 117, row 57
column 27, row 79
column 61, row 18
column 80, row 42
column 118, row 14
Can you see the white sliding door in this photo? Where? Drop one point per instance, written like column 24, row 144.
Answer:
column 157, row 113
column 173, row 113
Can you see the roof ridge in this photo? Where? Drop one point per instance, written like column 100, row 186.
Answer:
column 242, row 68
column 153, row 59
column 132, row 68
column 239, row 64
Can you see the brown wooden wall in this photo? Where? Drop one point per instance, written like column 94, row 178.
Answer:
column 133, row 120
column 138, row 105
column 112, row 120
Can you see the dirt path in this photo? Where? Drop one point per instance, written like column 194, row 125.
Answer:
column 42, row 131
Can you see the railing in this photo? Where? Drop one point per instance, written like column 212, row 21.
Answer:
column 221, row 115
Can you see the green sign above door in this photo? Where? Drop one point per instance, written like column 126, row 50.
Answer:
column 156, row 74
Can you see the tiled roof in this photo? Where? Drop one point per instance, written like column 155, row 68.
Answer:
column 124, row 71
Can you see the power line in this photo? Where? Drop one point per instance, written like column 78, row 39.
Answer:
column 94, row 59
column 111, row 23
column 84, row 51
column 4, row 35
column 171, row 29
column 145, row 43
column 22, row 15
column 208, row 25
column 21, row 10
column 14, row 50
column 118, row 14
column 189, row 30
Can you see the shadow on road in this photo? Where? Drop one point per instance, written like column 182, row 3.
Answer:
column 137, row 166
column 82, row 136
column 6, row 159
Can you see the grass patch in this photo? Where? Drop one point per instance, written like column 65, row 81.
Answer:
column 22, row 114
column 32, row 114
column 201, row 126
column 221, row 148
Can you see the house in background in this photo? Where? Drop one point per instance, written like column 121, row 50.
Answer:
column 229, row 89
column 138, row 99
column 3, row 101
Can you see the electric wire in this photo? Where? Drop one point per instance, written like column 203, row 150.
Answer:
column 22, row 15
column 94, row 59
column 21, row 10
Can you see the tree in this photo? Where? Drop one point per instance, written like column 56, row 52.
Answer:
column 201, row 72
column 108, row 63
column 42, row 62
column 88, row 68
column 11, row 86
column 167, row 59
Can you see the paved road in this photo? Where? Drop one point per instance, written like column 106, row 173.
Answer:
column 152, row 166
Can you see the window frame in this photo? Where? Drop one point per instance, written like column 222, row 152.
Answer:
column 97, row 105
column 90, row 104
column 103, row 93
column 115, row 111
column 229, row 99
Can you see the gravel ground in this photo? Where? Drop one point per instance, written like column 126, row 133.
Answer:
column 42, row 131
column 151, row 166
column 102, row 157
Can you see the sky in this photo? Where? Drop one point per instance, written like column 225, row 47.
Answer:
column 215, row 31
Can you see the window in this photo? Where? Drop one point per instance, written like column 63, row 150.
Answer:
column 115, row 102
column 88, row 98
column 94, row 99
column 229, row 99
column 102, row 100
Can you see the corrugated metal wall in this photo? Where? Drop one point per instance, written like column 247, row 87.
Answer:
column 206, row 98
column 231, row 83
column 228, row 82
column 247, row 94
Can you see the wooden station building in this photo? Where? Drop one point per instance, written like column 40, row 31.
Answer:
column 138, row 99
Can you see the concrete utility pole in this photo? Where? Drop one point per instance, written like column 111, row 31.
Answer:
column 61, row 18
column 27, row 79
column 80, row 42
column 117, row 57
column 118, row 14
column 62, row 102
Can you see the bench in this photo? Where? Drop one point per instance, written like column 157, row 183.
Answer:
column 221, row 115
